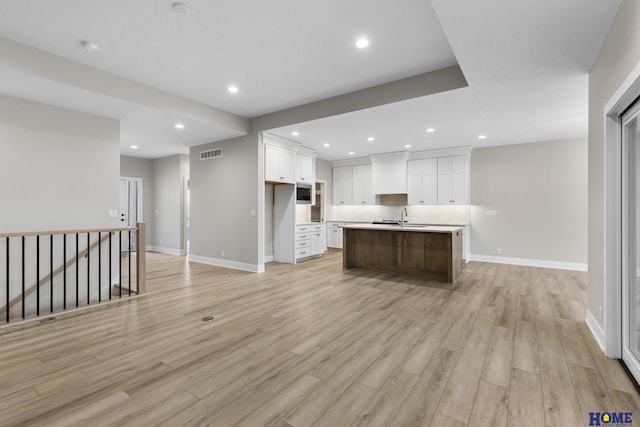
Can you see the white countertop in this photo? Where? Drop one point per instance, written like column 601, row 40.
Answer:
column 407, row 227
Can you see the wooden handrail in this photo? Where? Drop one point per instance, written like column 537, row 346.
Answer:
column 46, row 280
column 57, row 232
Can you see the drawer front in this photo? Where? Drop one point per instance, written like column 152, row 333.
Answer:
column 303, row 236
column 303, row 228
column 303, row 252
column 303, row 243
column 317, row 228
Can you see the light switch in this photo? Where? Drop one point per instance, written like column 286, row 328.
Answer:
column 252, row 212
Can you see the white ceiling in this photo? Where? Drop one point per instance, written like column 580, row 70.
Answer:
column 526, row 63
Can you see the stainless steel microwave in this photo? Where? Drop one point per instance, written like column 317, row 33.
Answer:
column 303, row 194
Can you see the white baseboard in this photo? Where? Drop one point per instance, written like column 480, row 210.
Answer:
column 268, row 258
column 170, row 251
column 253, row 268
column 531, row 262
column 595, row 329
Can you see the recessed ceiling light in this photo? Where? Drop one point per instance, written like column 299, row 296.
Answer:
column 430, row 130
column 295, row 133
column 181, row 8
column 133, row 147
column 407, row 146
column 362, row 43
column 233, row 89
column 351, row 153
column 327, row 145
column 179, row 126
column 371, row 139
column 89, row 46
column 482, row 137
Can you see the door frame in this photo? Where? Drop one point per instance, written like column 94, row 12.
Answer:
column 610, row 336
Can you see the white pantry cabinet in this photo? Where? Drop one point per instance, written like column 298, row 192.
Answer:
column 422, row 182
column 279, row 164
column 453, row 180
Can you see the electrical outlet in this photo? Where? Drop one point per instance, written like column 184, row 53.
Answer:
column 499, row 251
column 222, row 252
column 112, row 213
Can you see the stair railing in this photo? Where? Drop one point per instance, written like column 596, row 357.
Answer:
column 52, row 271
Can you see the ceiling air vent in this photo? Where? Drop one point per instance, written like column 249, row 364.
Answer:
column 211, row 154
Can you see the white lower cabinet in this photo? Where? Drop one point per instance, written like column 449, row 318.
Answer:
column 310, row 240
column 334, row 234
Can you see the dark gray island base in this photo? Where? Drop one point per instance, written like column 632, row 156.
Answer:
column 430, row 252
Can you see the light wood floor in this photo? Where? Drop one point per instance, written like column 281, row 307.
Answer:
column 314, row 345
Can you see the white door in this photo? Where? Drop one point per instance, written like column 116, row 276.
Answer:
column 130, row 208
column 631, row 240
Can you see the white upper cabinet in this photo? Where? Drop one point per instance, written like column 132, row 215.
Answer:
column 343, row 185
column 453, row 180
column 422, row 182
column 304, row 169
column 362, row 193
column 279, row 164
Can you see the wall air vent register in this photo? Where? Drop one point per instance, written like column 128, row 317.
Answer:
column 211, row 154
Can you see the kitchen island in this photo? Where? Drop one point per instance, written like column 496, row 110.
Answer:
column 429, row 251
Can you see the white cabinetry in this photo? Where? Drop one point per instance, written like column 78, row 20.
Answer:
column 279, row 164
column 362, row 193
column 343, row 185
column 318, row 239
column 453, row 180
column 334, row 234
column 303, row 241
column 422, row 182
column 310, row 240
column 352, row 185
column 304, row 169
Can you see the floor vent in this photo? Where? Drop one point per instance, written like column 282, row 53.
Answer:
column 211, row 154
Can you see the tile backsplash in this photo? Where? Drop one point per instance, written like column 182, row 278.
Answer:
column 431, row 214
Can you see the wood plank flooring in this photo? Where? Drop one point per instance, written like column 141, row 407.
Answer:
column 315, row 345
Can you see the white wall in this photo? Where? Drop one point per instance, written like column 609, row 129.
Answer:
column 168, row 203
column 59, row 169
column 538, row 193
column 619, row 55
column 224, row 192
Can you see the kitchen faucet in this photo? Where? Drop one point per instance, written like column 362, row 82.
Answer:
column 403, row 214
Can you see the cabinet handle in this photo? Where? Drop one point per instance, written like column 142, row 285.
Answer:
column 282, row 177
column 302, row 253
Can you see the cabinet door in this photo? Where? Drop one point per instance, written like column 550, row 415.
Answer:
column 453, row 180
column 316, row 243
column 362, row 192
column 304, row 169
column 430, row 181
column 444, row 181
column 459, row 180
column 414, row 182
column 287, row 160
column 271, row 163
column 343, row 186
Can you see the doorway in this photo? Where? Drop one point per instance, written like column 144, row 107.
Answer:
column 631, row 239
column 130, row 208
